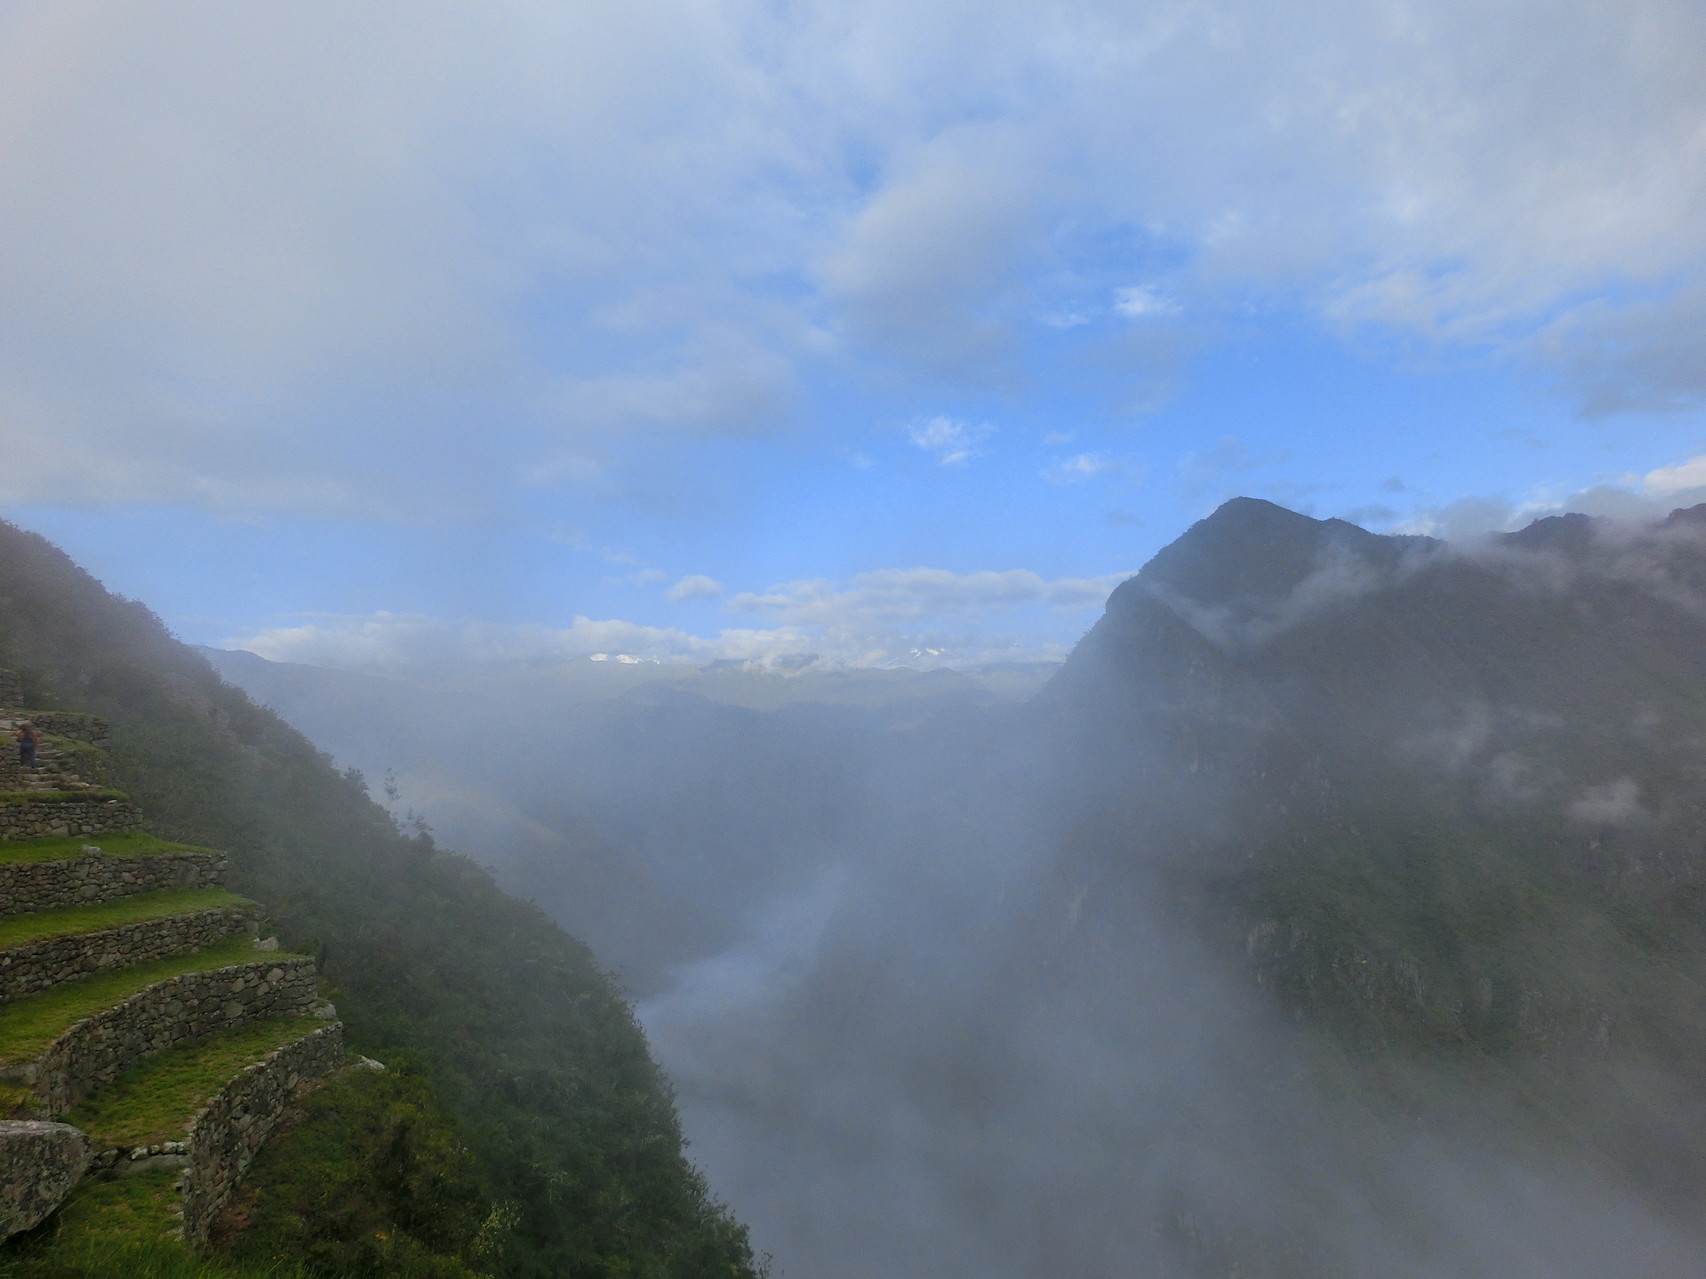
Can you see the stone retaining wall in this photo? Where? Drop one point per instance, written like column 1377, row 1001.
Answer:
column 73, row 724
column 27, row 816
column 39, row 1164
column 98, row 1049
column 77, row 881
column 40, row 964
column 226, row 1135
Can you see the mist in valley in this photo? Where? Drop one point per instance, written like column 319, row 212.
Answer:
column 953, row 980
column 821, row 500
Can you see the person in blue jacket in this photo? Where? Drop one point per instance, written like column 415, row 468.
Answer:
column 28, row 739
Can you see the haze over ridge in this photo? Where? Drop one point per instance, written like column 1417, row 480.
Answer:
column 1008, row 986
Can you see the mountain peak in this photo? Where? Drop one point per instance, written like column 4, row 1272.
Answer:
column 1571, row 533
column 1250, row 550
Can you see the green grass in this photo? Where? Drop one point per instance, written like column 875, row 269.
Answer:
column 136, row 1209
column 155, row 1100
column 53, row 848
column 20, row 930
column 121, row 1226
column 368, row 1178
column 29, row 1025
column 58, row 796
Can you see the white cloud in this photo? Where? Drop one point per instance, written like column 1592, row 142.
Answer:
column 695, row 587
column 1139, row 301
column 1080, row 467
column 1615, row 803
column 919, row 264
column 381, row 641
column 281, row 257
column 1637, row 497
column 953, row 442
column 916, row 616
column 869, row 602
column 1684, row 479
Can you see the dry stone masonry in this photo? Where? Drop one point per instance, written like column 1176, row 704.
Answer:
column 225, row 1137
column 43, row 964
column 79, row 881
column 32, row 814
column 98, row 1049
column 41, row 1162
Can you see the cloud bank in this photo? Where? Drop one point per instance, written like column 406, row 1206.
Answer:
column 913, row 617
column 273, row 258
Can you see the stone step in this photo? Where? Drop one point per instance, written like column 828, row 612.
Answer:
column 70, row 753
column 46, row 874
column 33, row 783
column 36, row 814
column 61, row 1045
column 207, row 1107
column 78, row 727
column 41, row 950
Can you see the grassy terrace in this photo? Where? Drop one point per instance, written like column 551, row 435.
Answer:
column 58, row 796
column 132, row 843
column 20, row 930
column 156, row 1099
column 122, row 1226
column 29, row 1025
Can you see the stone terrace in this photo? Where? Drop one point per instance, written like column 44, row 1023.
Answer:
column 127, row 975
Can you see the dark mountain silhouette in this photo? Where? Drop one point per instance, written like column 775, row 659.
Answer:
column 1445, row 805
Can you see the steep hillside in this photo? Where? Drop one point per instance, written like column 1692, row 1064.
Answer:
column 1445, row 805
column 529, row 1048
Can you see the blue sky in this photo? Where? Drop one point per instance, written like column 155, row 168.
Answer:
column 752, row 330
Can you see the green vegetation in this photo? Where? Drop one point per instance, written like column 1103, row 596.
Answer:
column 20, row 930
column 54, row 848
column 58, row 796
column 534, row 1054
column 155, row 1099
column 29, row 1025
column 120, row 1226
column 123, row 1211
column 368, row 1179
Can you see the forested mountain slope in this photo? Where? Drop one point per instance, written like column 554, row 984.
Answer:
column 531, row 1050
column 1446, row 805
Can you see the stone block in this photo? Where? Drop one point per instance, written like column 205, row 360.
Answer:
column 39, row 1164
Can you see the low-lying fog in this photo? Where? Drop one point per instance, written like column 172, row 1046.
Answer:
column 902, row 1048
